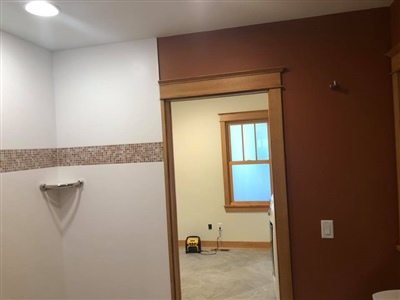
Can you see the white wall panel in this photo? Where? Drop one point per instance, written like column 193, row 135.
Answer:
column 108, row 94
column 27, row 98
column 109, row 239
column 32, row 255
column 115, row 235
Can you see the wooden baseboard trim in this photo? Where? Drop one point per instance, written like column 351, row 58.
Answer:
column 232, row 244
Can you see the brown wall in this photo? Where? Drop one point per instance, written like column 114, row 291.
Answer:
column 395, row 20
column 340, row 144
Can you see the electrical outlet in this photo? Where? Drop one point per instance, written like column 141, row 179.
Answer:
column 209, row 226
column 219, row 226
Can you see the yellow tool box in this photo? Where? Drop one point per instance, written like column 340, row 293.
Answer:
column 193, row 244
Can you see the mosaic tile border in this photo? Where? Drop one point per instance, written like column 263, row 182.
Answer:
column 111, row 154
column 28, row 159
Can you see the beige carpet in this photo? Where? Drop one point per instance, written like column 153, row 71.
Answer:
column 237, row 274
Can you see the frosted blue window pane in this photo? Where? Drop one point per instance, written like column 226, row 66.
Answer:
column 236, row 142
column 262, row 141
column 251, row 182
column 249, row 142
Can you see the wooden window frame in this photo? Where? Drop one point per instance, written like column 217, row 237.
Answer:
column 269, row 80
column 227, row 119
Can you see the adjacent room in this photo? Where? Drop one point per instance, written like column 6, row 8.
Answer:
column 116, row 132
column 246, row 271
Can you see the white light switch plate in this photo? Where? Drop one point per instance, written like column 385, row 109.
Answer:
column 327, row 229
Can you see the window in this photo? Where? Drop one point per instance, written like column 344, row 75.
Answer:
column 246, row 163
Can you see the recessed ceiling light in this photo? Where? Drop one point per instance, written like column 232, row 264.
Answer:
column 42, row 9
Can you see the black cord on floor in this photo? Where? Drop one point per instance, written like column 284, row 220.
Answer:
column 208, row 252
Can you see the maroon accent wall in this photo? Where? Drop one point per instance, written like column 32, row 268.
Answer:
column 340, row 149
column 395, row 20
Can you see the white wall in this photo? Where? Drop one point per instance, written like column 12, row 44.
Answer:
column 32, row 256
column 109, row 239
column 198, row 171
column 32, row 265
column 116, row 245
column 108, row 94
column 28, row 110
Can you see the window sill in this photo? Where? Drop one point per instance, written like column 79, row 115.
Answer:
column 247, row 207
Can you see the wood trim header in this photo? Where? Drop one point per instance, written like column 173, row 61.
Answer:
column 225, row 75
column 240, row 116
column 247, row 81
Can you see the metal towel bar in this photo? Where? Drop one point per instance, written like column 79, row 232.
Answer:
column 47, row 187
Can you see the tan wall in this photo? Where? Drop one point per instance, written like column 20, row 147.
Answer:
column 198, row 167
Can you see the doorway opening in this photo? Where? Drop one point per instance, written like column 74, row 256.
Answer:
column 228, row 84
column 236, row 234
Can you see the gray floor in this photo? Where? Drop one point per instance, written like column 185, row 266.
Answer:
column 237, row 274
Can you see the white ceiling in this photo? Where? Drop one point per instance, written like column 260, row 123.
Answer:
column 94, row 22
